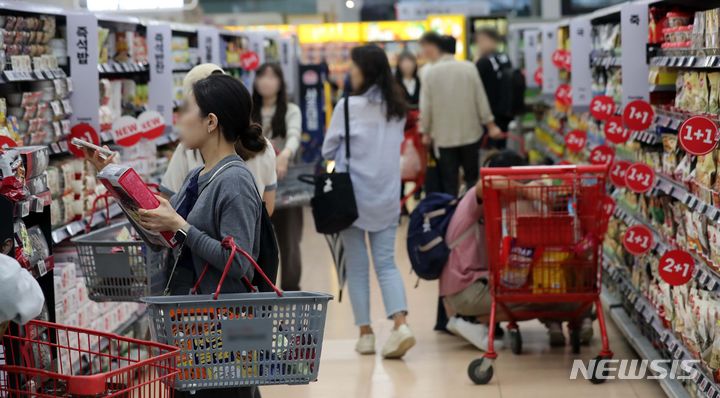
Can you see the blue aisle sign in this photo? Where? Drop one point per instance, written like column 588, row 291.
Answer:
column 312, row 105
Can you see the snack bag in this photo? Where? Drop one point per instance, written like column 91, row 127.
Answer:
column 714, row 85
column 549, row 272
column 515, row 273
column 669, row 157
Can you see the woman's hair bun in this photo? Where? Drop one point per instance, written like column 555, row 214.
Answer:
column 253, row 139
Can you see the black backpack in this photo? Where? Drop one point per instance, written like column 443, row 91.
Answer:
column 269, row 254
column 512, row 86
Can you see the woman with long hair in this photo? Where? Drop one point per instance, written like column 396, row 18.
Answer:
column 406, row 74
column 282, row 123
column 217, row 200
column 376, row 109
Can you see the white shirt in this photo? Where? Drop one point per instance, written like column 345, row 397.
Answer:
column 183, row 160
column 21, row 298
column 410, row 85
column 374, row 158
column 263, row 168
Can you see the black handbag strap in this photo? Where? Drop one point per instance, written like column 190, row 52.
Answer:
column 346, row 111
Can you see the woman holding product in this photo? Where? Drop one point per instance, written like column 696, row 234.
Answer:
column 217, row 200
column 376, row 109
column 282, row 124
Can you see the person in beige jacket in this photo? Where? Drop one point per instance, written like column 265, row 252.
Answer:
column 454, row 108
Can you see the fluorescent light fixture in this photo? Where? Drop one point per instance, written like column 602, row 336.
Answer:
column 126, row 5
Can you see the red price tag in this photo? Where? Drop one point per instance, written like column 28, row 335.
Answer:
column 562, row 94
column 602, row 154
column 249, row 60
column 608, row 206
column 575, row 140
column 639, row 177
column 676, row 267
column 698, row 135
column 617, row 173
column 84, row 132
column 561, row 59
column 638, row 115
column 7, row 142
column 615, row 132
column 602, row 107
column 638, row 240
column 538, row 76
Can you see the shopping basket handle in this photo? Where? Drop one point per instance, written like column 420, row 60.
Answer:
column 229, row 243
column 88, row 223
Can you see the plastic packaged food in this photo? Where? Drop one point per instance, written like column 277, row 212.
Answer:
column 675, row 18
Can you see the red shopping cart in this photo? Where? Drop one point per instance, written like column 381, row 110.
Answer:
column 544, row 228
column 43, row 360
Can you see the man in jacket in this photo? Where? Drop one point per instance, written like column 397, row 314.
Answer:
column 496, row 73
column 454, row 109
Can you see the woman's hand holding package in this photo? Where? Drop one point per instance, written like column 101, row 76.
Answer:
column 162, row 218
column 98, row 160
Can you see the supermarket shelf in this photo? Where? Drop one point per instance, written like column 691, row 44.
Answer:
column 649, row 314
column 703, row 274
column 605, row 61
column 640, row 343
column 688, row 60
column 168, row 138
column 183, row 66
column 231, row 66
column 10, row 76
column 74, row 228
column 123, row 67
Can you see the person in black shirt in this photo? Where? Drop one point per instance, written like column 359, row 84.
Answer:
column 406, row 74
column 495, row 69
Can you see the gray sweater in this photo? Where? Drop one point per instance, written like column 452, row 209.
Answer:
column 229, row 206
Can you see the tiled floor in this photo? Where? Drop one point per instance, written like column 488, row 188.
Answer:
column 437, row 366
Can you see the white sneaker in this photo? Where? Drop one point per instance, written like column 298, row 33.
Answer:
column 366, row 344
column 477, row 334
column 452, row 325
column 400, row 341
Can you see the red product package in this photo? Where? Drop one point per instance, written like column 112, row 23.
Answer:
column 131, row 192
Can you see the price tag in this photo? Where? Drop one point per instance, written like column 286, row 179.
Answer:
column 42, row 269
column 56, row 108
column 698, row 135
column 676, row 267
column 638, row 239
column 615, row 132
column 639, row 177
column 617, row 172
column 575, row 140
column 638, row 115
column 602, row 154
column 55, row 147
column 84, row 132
column 249, row 60
column 538, row 76
column 563, row 95
column 602, row 107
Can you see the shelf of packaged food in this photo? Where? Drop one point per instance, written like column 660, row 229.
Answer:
column 648, row 314
column 641, row 344
column 704, row 274
column 34, row 203
column 122, row 67
column 10, row 76
column 74, row 228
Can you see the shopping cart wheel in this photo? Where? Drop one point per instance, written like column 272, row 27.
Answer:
column 515, row 341
column 596, row 376
column 575, row 340
column 480, row 371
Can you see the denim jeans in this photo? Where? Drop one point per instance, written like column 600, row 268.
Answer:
column 382, row 247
